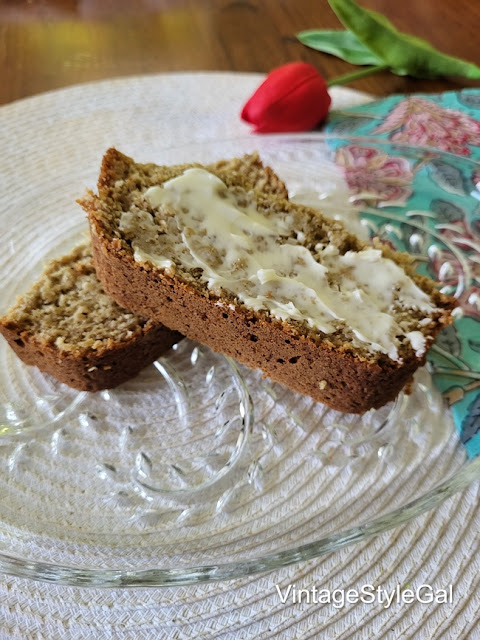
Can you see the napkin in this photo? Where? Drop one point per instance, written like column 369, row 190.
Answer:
column 447, row 122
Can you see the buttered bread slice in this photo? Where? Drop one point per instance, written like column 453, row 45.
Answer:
column 67, row 326
column 227, row 260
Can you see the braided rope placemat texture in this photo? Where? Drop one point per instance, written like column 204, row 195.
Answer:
column 440, row 548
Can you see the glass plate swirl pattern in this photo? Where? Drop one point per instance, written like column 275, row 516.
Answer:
column 200, row 469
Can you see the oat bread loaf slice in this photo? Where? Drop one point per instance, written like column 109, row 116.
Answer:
column 276, row 285
column 67, row 326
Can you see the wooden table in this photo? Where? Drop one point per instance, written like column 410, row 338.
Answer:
column 49, row 44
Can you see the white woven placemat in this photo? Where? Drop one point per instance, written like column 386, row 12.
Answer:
column 439, row 549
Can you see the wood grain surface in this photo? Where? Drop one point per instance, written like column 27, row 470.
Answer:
column 45, row 45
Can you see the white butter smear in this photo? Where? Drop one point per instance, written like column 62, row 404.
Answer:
column 255, row 258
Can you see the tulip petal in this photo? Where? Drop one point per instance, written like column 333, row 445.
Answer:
column 293, row 97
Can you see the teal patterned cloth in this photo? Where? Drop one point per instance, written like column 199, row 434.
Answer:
column 447, row 186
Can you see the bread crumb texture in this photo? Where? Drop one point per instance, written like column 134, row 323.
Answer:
column 160, row 252
column 67, row 308
column 160, row 236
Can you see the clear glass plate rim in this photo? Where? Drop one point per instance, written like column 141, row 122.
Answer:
column 113, row 578
column 313, row 137
column 164, row 577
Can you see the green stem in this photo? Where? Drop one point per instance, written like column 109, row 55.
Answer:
column 458, row 362
column 457, row 373
column 356, row 75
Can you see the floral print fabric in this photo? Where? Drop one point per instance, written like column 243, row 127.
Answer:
column 436, row 197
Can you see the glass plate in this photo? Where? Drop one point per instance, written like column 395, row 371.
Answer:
column 200, row 469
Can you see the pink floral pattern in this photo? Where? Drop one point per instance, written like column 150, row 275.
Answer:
column 466, row 239
column 445, row 199
column 372, row 172
column 462, row 234
column 423, row 122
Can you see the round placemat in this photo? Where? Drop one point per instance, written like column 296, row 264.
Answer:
column 438, row 549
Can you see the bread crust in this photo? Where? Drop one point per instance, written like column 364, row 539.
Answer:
column 333, row 375
column 349, row 384
column 67, row 327
column 94, row 370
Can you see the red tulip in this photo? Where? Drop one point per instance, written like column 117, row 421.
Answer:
column 293, row 97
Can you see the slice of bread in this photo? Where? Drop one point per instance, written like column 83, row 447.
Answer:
column 67, row 326
column 279, row 287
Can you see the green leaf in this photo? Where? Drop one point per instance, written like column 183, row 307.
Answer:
column 446, row 212
column 474, row 345
column 342, row 44
column 449, row 341
column 447, row 176
column 471, row 422
column 469, row 99
column 404, row 54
